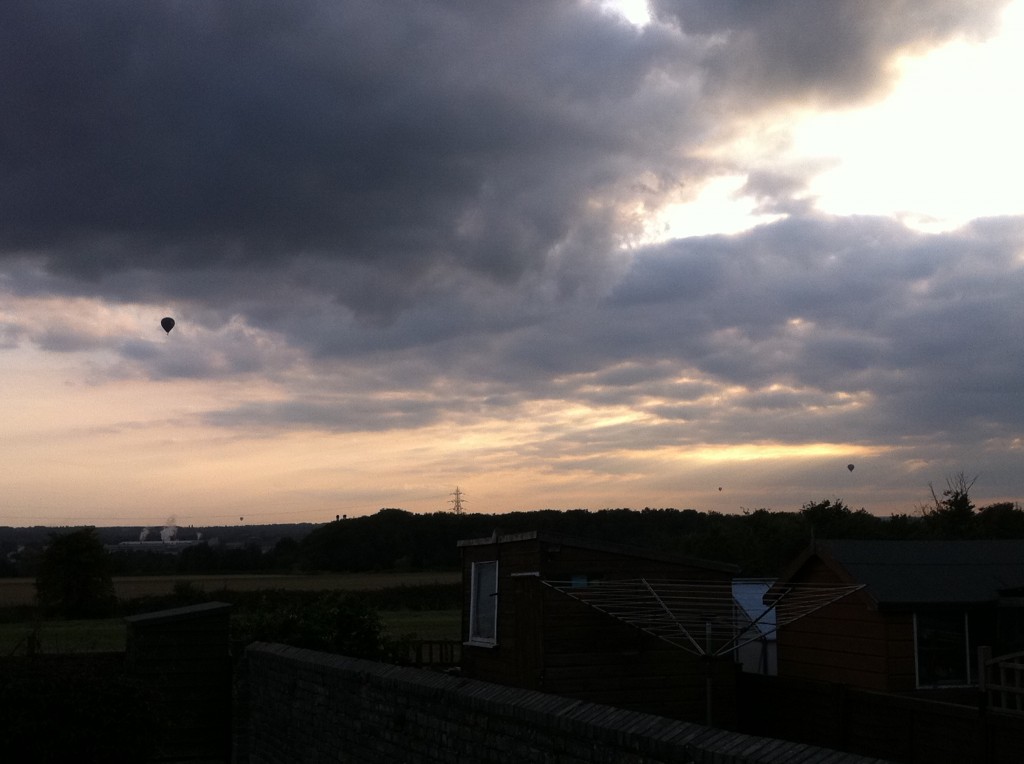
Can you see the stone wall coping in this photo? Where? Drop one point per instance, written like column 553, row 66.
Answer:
column 655, row 736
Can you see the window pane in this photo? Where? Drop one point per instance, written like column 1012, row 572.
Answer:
column 483, row 617
column 941, row 649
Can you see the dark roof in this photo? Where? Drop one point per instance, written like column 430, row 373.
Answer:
column 929, row 572
column 180, row 613
column 612, row 547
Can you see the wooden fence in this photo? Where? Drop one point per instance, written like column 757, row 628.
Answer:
column 433, row 653
column 1001, row 680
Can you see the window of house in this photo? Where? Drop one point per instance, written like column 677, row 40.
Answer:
column 943, row 649
column 483, row 607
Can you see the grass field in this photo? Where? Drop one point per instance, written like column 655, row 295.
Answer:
column 106, row 635
column 423, row 624
column 22, row 591
column 109, row 634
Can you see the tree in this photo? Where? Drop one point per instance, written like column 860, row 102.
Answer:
column 1003, row 520
column 832, row 519
column 74, row 578
column 952, row 516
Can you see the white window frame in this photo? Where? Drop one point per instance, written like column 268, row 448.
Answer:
column 483, row 605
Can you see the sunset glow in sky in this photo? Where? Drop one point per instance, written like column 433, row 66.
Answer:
column 692, row 253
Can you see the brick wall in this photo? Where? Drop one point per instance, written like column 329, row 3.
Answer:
column 306, row 706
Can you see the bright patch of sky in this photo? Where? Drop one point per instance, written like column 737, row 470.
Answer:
column 636, row 12
column 719, row 208
column 941, row 149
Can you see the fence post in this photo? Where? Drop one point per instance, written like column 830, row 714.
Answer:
column 984, row 656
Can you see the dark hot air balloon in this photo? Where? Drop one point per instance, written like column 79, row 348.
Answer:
column 849, row 467
column 167, row 324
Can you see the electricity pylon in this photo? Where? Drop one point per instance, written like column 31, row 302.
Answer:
column 457, row 501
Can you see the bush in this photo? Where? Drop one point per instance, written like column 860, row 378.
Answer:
column 327, row 621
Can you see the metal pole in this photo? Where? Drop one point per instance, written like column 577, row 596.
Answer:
column 707, row 680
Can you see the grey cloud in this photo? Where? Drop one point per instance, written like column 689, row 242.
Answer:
column 66, row 341
column 403, row 136
column 826, row 306
column 401, row 140
column 831, row 52
column 782, row 192
column 888, row 348
column 342, row 413
column 368, row 152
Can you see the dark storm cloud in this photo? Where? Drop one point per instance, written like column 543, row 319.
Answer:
column 400, row 136
column 397, row 140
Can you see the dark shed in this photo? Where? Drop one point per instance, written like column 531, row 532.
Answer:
column 925, row 608
column 520, row 631
column 183, row 655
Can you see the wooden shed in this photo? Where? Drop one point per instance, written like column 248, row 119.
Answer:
column 183, row 656
column 520, row 627
column 924, row 609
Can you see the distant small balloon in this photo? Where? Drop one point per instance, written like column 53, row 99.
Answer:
column 719, row 488
column 849, row 467
column 167, row 324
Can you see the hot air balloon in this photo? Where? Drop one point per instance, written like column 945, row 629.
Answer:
column 167, row 323
column 849, row 467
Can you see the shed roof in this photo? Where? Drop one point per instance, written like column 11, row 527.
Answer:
column 626, row 550
column 928, row 572
column 179, row 613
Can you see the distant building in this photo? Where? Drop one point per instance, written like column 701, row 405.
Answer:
column 161, row 547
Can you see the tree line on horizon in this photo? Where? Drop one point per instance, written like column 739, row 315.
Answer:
column 760, row 541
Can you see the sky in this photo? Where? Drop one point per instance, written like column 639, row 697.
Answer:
column 556, row 253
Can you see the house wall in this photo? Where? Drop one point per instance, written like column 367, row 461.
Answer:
column 900, row 653
column 514, row 659
column 848, row 642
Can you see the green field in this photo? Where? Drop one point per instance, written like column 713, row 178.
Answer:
column 422, row 624
column 107, row 635
column 56, row 636
column 22, row 591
